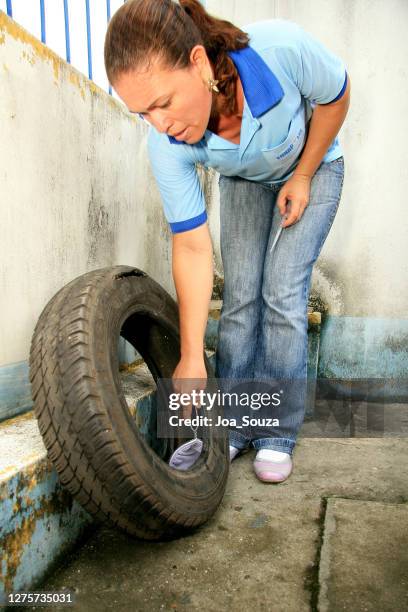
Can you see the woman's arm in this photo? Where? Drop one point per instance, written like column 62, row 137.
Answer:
column 192, row 264
column 325, row 124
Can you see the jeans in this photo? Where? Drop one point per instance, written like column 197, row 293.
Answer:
column 263, row 323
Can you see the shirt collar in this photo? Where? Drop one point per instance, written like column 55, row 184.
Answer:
column 262, row 89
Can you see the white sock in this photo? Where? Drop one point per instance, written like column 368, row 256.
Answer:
column 233, row 451
column 267, row 454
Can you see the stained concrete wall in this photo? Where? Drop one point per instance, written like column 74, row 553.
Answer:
column 77, row 192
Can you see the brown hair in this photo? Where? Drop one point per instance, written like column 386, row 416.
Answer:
column 144, row 29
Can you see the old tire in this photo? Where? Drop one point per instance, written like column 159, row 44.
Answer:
column 88, row 431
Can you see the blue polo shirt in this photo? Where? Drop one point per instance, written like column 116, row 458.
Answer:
column 284, row 72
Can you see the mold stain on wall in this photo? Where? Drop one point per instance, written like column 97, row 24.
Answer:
column 100, row 231
column 30, row 504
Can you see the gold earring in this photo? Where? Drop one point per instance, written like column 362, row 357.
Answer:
column 212, row 85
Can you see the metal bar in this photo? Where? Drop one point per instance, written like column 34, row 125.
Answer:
column 67, row 42
column 9, row 8
column 42, row 13
column 108, row 16
column 88, row 35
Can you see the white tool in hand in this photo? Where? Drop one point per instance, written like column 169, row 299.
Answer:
column 278, row 233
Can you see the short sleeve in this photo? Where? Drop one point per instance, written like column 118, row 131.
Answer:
column 178, row 182
column 319, row 74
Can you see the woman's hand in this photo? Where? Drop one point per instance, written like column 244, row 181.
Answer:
column 190, row 375
column 297, row 190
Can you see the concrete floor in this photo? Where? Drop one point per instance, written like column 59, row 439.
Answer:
column 297, row 546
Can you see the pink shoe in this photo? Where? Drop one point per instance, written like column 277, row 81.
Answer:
column 272, row 466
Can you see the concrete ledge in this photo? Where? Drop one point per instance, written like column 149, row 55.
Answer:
column 39, row 521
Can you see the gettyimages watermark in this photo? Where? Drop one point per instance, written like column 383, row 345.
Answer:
column 209, row 406
column 207, row 401
column 261, row 408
